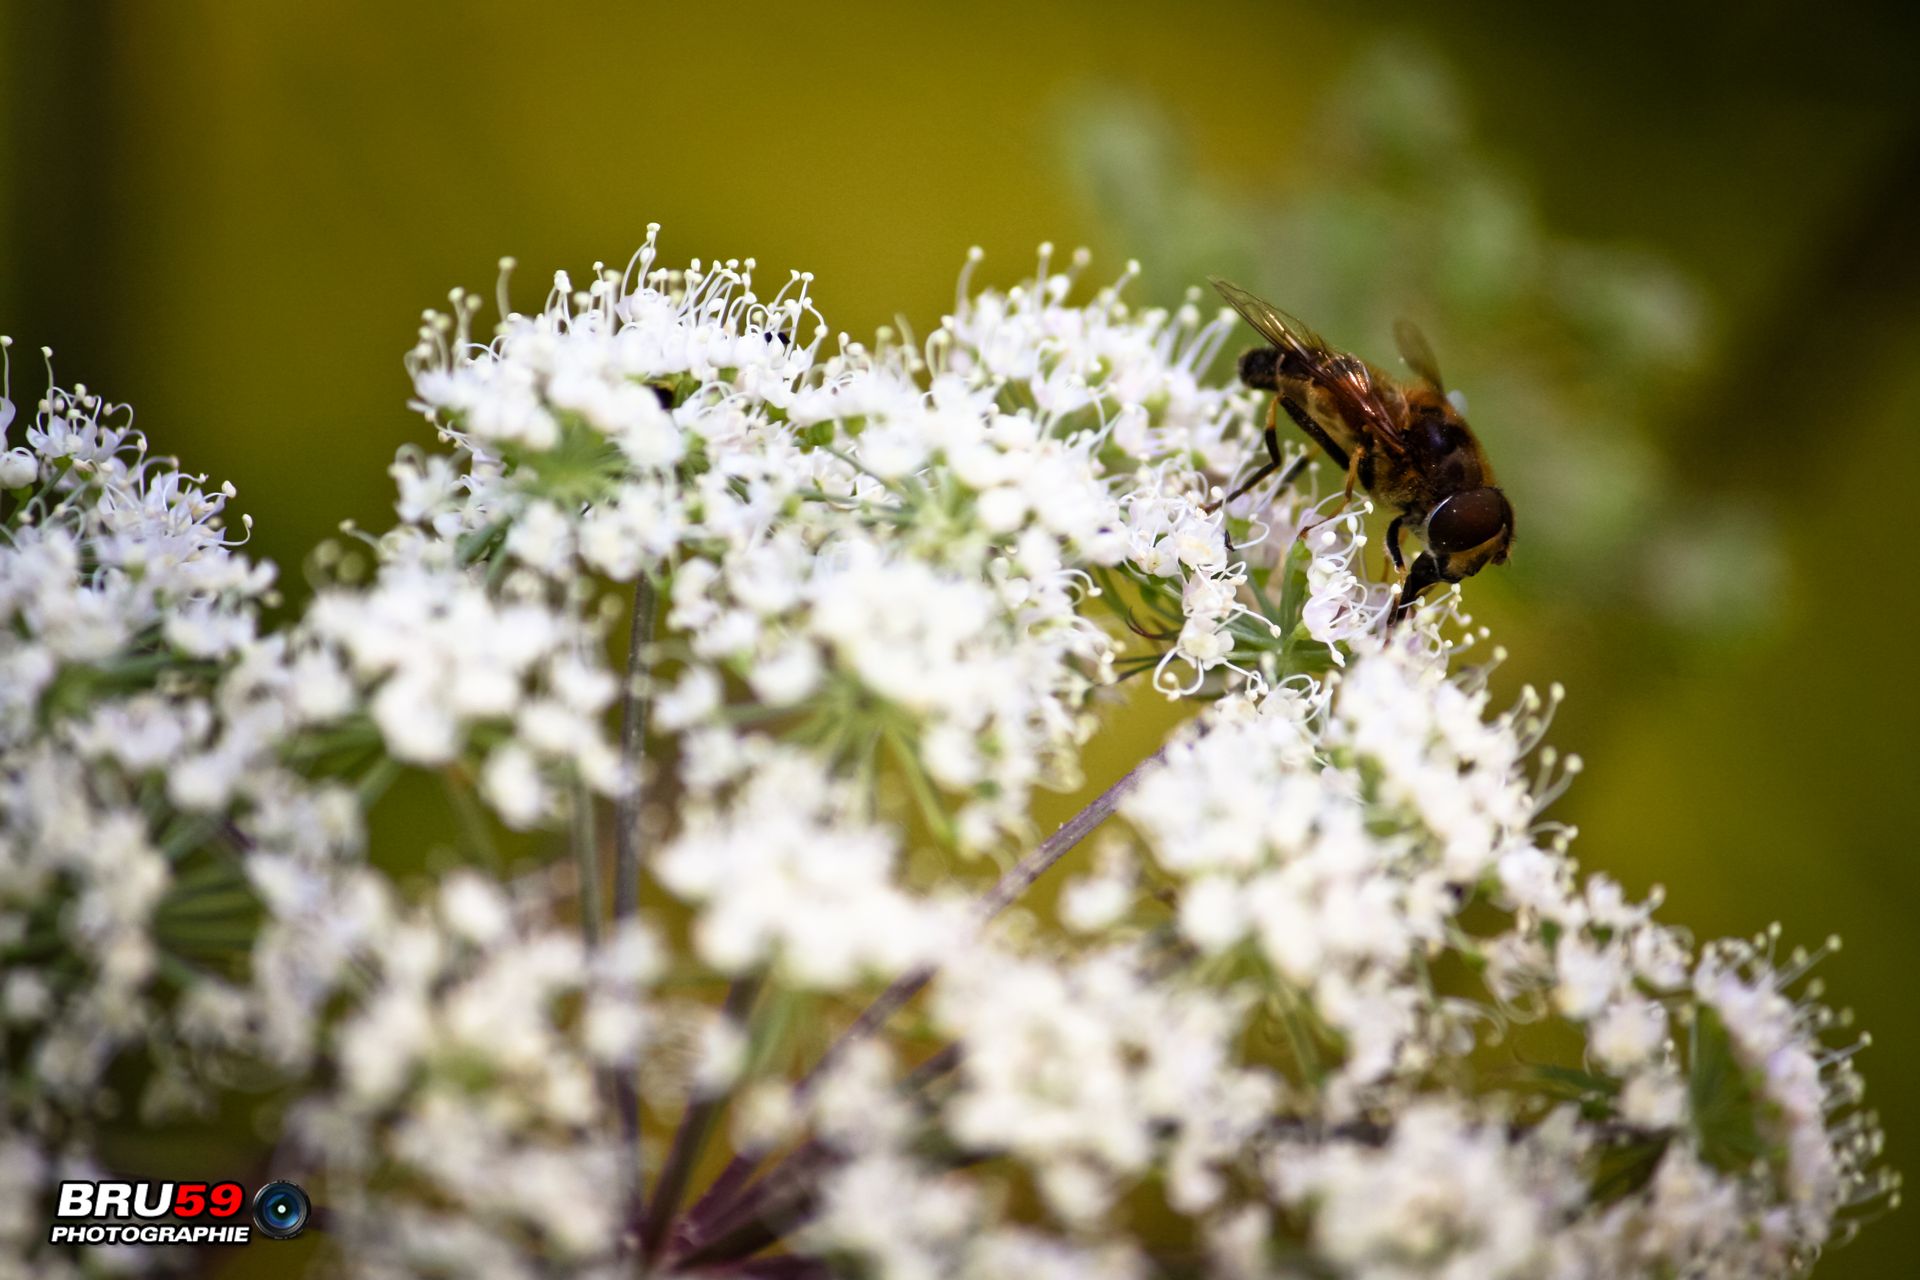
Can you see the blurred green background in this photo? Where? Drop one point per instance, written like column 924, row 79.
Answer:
column 1669, row 255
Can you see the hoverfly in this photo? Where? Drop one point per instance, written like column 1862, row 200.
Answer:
column 1404, row 444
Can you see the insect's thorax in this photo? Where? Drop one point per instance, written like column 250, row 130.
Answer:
column 1443, row 451
column 1438, row 454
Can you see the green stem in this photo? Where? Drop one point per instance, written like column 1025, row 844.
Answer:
column 586, row 854
column 924, row 794
column 470, row 819
column 635, row 703
column 375, row 781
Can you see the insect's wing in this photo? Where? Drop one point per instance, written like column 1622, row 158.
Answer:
column 1347, row 379
column 1271, row 323
column 1418, row 353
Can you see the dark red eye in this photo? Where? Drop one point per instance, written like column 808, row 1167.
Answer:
column 1468, row 519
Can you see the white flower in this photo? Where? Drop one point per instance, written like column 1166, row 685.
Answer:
column 474, row 909
column 781, row 876
column 1627, row 1034
column 1652, row 1101
column 17, row 468
column 1442, row 1197
column 787, row 675
column 1589, row 977
column 542, row 537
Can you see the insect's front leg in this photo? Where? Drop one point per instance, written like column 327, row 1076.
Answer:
column 1425, row 573
column 1353, row 466
column 1393, row 544
column 1287, row 477
column 1271, row 438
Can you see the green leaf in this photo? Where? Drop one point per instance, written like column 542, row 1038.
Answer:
column 1293, row 587
column 1726, row 1101
column 1305, row 655
column 1620, row 1171
column 1570, row 1082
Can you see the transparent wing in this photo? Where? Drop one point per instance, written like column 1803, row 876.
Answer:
column 1418, row 353
column 1271, row 323
column 1348, row 380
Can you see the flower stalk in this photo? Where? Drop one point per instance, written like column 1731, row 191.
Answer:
column 635, row 702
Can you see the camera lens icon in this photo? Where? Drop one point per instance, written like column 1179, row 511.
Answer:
column 281, row 1210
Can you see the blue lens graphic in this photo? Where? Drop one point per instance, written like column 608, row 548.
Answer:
column 280, row 1210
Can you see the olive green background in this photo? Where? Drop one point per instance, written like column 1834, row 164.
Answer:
column 231, row 215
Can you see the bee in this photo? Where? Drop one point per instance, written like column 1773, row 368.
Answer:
column 1405, row 444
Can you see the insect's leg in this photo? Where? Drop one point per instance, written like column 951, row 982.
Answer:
column 1315, row 432
column 1393, row 544
column 1346, row 495
column 1291, row 474
column 1425, row 573
column 1353, row 474
column 1272, row 438
column 1287, row 477
column 1351, row 463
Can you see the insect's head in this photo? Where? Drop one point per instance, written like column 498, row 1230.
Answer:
column 1469, row 530
column 1465, row 532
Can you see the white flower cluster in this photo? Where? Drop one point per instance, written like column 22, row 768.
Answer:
column 1088, row 1071
column 1291, row 1028
column 826, row 906
column 1337, row 1002
column 896, row 539
column 1440, row 1194
column 467, row 1128
column 182, row 798
column 439, row 660
column 1373, row 848
column 121, row 601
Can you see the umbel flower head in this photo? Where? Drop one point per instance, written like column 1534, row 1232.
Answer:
column 716, row 973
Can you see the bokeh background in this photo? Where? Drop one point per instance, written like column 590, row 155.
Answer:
column 1670, row 256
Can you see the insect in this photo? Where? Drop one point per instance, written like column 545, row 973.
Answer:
column 1405, row 444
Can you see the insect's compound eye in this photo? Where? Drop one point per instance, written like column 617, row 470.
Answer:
column 1466, row 520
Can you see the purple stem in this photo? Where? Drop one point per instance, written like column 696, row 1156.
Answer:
column 690, row 1138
